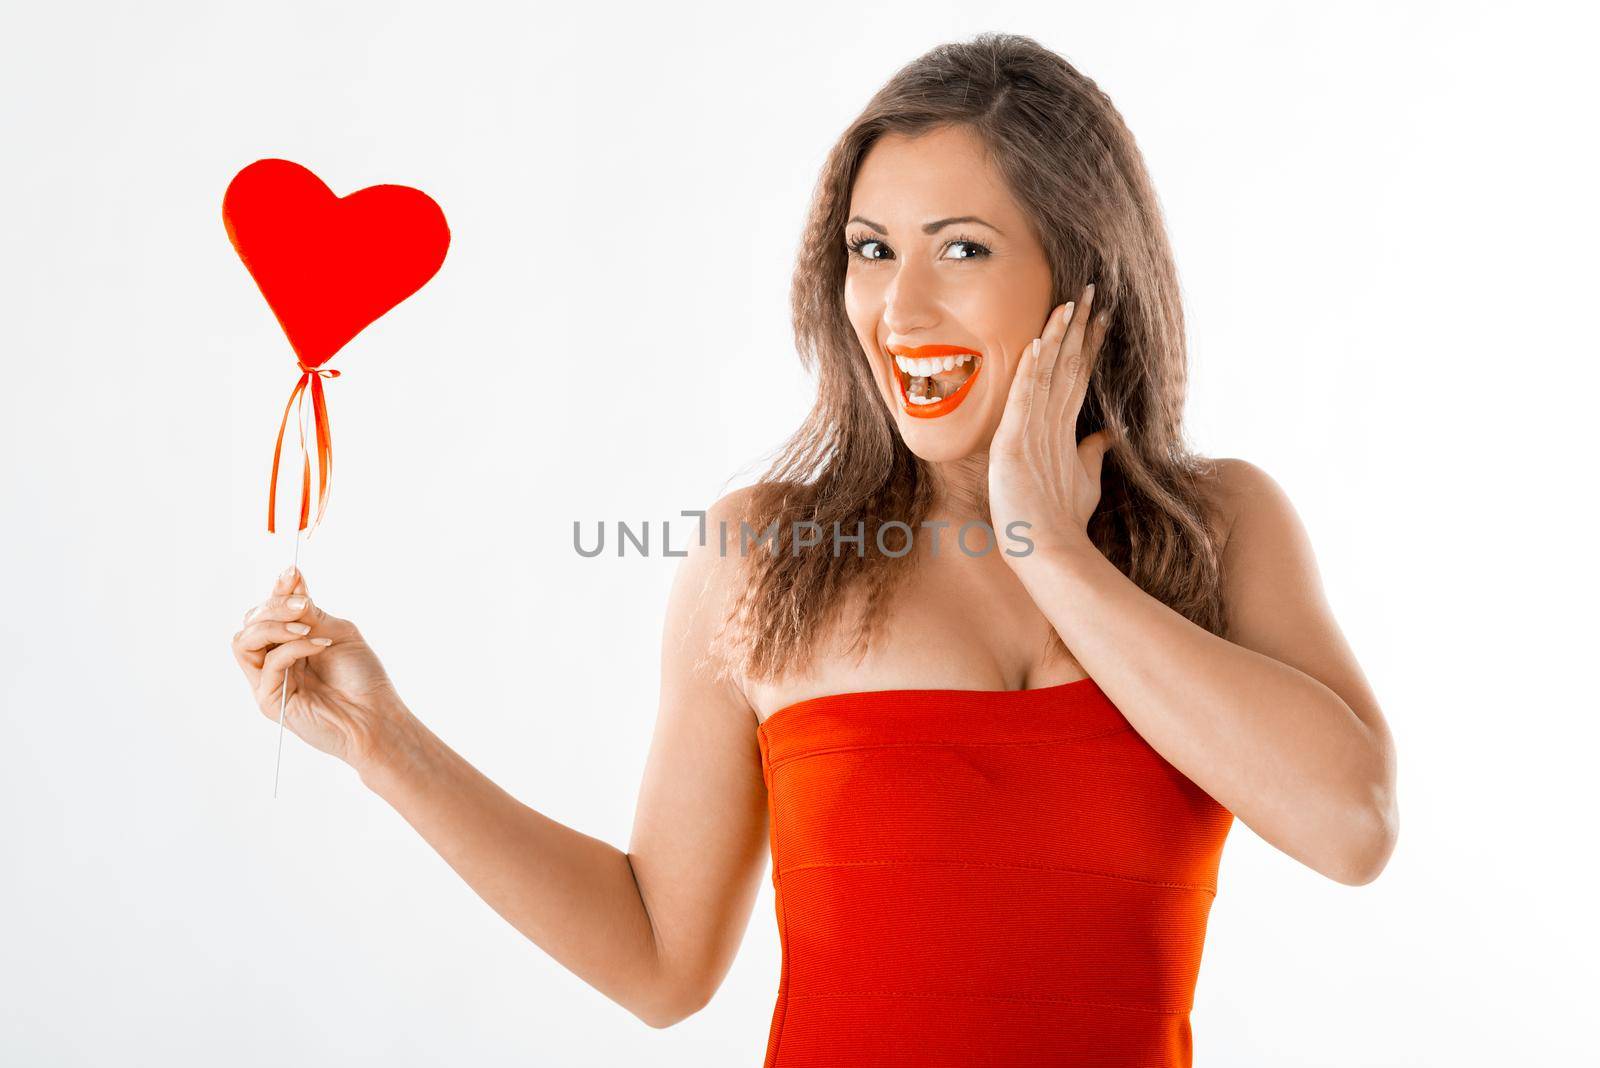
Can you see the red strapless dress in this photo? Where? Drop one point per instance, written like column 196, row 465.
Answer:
column 969, row 877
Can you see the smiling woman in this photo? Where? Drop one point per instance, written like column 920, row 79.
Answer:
column 994, row 786
column 951, row 217
column 1069, row 731
column 992, row 287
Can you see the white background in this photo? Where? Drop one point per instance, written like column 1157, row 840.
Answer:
column 1384, row 221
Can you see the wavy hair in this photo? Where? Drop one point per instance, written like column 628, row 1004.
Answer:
column 1077, row 173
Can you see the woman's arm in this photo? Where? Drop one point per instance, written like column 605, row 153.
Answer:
column 654, row 929
column 1276, row 721
column 575, row 896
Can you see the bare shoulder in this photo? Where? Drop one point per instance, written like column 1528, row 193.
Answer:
column 707, row 575
column 1270, row 575
column 716, row 566
column 752, row 505
column 1238, row 489
column 709, row 580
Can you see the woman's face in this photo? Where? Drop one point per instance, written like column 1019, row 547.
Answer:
column 944, row 269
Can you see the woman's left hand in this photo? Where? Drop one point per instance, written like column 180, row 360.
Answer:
column 1039, row 474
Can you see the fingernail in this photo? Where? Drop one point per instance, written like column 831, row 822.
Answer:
column 321, row 641
column 296, row 603
column 286, row 574
column 297, row 628
column 1068, row 306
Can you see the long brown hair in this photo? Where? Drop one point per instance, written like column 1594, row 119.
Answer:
column 1075, row 170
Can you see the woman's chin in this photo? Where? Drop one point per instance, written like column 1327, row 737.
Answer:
column 944, row 439
column 957, row 433
column 939, row 452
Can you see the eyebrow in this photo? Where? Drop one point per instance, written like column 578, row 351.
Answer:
column 932, row 227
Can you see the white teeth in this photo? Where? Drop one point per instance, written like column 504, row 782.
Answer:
column 922, row 369
column 929, row 365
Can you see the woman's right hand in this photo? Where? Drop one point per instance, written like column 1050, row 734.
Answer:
column 340, row 699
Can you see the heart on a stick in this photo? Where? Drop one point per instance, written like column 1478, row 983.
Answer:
column 330, row 266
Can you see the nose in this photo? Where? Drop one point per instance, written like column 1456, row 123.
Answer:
column 911, row 301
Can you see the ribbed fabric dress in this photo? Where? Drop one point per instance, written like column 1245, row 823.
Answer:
column 973, row 877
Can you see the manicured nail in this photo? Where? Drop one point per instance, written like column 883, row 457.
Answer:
column 297, row 628
column 296, row 603
column 286, row 574
column 1066, row 315
column 321, row 641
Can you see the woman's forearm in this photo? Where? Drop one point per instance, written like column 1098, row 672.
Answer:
column 1277, row 748
column 575, row 896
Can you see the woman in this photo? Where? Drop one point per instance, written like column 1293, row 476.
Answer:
column 994, row 770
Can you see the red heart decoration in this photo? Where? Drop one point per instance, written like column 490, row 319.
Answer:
column 330, row 266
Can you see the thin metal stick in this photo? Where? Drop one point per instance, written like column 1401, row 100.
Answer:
column 283, row 687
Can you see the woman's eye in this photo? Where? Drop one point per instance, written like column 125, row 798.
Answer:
column 860, row 244
column 863, row 247
column 980, row 250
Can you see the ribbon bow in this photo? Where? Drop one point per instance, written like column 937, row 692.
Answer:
column 319, row 408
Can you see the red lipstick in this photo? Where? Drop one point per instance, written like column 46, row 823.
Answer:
column 945, row 405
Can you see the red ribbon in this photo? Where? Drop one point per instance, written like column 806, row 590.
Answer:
column 319, row 408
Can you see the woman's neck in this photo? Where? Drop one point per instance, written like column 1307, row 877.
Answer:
column 961, row 488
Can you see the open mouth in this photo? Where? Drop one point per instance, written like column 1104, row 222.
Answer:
column 933, row 380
